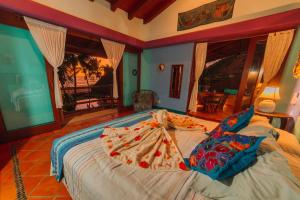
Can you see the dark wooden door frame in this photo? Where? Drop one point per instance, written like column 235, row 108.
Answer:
column 139, row 70
column 249, row 61
column 2, row 125
column 247, row 65
column 245, row 73
column 15, row 20
column 43, row 128
column 121, row 106
column 120, row 86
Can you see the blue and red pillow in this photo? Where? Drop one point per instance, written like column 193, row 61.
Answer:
column 224, row 156
column 234, row 123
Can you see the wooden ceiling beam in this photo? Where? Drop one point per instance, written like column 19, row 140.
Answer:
column 115, row 4
column 157, row 10
column 136, row 8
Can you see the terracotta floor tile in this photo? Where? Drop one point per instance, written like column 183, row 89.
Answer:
column 21, row 154
column 8, row 192
column 63, row 198
column 34, row 161
column 8, row 176
column 7, row 167
column 40, row 198
column 63, row 191
column 30, row 183
column 38, row 156
column 48, row 186
column 29, row 145
column 25, row 166
column 39, row 169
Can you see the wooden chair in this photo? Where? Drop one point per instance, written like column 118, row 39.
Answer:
column 213, row 103
column 222, row 102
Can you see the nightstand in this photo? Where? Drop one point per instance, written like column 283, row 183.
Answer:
column 284, row 118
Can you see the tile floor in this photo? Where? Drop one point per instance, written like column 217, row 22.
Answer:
column 34, row 161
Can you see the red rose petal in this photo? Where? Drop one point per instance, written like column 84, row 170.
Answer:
column 157, row 153
column 114, row 153
column 144, row 164
column 182, row 166
column 102, row 136
column 129, row 161
column 126, row 128
column 165, row 141
column 136, row 129
column 137, row 138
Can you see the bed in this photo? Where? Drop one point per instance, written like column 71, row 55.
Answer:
column 79, row 160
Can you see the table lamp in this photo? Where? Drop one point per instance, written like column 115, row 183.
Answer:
column 269, row 96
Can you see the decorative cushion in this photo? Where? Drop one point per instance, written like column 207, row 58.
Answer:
column 233, row 123
column 217, row 132
column 237, row 121
column 224, row 156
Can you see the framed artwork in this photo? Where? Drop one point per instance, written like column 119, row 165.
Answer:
column 219, row 10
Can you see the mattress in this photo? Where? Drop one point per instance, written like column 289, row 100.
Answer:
column 90, row 174
column 291, row 150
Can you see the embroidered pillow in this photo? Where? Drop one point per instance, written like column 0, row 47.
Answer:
column 217, row 132
column 224, row 156
column 238, row 121
column 233, row 123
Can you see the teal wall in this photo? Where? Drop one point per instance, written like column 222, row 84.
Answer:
column 288, row 82
column 159, row 81
column 25, row 98
column 130, row 62
column 289, row 86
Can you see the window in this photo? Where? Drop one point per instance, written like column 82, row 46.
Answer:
column 86, row 82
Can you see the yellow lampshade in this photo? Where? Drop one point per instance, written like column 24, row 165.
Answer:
column 270, row 93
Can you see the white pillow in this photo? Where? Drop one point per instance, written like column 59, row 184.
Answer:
column 288, row 142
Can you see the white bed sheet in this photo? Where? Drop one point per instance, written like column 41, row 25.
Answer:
column 90, row 174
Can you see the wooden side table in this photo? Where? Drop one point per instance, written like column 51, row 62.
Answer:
column 284, row 118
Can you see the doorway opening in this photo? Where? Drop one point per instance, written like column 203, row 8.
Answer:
column 231, row 75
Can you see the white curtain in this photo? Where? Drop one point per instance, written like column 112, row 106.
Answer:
column 51, row 41
column 114, row 52
column 277, row 46
column 200, row 58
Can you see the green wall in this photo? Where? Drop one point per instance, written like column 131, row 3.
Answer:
column 289, row 85
column 288, row 82
column 130, row 62
column 24, row 98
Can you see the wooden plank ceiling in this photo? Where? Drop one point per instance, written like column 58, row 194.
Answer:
column 143, row 9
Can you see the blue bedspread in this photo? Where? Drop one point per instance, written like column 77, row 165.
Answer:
column 62, row 145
